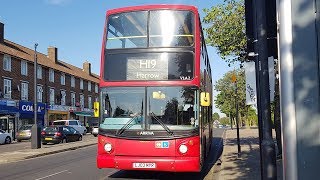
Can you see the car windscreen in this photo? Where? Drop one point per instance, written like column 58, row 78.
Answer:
column 25, row 127
column 50, row 129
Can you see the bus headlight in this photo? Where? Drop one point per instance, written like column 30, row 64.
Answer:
column 183, row 148
column 108, row 147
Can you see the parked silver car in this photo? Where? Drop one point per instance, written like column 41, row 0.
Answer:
column 24, row 132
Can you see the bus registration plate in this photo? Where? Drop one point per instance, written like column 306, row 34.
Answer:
column 144, row 165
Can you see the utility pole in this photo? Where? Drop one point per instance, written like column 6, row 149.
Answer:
column 269, row 170
column 35, row 131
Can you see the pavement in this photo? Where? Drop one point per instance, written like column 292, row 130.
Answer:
column 23, row 154
column 247, row 166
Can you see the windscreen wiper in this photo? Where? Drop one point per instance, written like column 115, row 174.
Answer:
column 127, row 125
column 162, row 124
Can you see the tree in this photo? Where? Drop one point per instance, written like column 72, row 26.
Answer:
column 215, row 116
column 225, row 100
column 224, row 121
column 225, row 30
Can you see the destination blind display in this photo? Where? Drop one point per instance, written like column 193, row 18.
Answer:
column 149, row 66
column 146, row 69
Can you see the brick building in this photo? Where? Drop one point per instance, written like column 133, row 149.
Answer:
column 63, row 91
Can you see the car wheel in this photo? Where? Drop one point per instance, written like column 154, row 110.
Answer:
column 80, row 138
column 95, row 135
column 44, row 143
column 64, row 141
column 19, row 140
column 7, row 140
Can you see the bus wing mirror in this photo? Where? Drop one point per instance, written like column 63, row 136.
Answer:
column 205, row 99
column 96, row 109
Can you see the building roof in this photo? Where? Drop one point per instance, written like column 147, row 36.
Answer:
column 27, row 54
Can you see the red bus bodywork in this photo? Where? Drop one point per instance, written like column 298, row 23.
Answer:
column 128, row 151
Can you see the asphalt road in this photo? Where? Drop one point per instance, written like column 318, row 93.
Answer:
column 80, row 164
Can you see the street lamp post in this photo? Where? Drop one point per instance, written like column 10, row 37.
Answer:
column 35, row 131
column 234, row 80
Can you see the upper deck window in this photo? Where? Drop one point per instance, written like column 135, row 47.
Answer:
column 167, row 28
column 127, row 30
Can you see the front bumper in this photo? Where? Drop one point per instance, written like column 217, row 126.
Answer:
column 169, row 164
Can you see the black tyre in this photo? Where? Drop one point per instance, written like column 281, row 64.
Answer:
column 44, row 143
column 80, row 138
column 19, row 140
column 7, row 140
column 64, row 140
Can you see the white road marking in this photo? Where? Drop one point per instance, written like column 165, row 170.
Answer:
column 52, row 175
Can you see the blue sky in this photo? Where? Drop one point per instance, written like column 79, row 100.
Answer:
column 75, row 27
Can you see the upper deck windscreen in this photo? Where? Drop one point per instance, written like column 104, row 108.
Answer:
column 158, row 28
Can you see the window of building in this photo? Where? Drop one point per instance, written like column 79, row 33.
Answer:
column 51, row 75
column 39, row 93
column 89, row 86
column 96, row 88
column 7, row 63
column 73, row 99
column 89, row 102
column 51, row 94
column 39, row 71
column 63, row 79
column 7, row 88
column 24, row 91
column 81, row 100
column 24, row 68
column 73, row 81
column 63, row 97
column 81, row 83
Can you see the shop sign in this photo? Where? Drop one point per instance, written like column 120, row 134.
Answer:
column 11, row 103
column 27, row 107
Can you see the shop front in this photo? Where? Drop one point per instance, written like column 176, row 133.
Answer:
column 82, row 114
column 9, row 114
column 57, row 112
column 27, row 113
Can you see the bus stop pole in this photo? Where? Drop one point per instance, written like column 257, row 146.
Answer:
column 269, row 170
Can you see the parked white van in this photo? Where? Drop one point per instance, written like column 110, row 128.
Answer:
column 76, row 124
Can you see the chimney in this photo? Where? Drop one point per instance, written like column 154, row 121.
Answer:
column 1, row 33
column 87, row 67
column 53, row 53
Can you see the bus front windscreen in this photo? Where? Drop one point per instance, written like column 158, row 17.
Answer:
column 128, row 111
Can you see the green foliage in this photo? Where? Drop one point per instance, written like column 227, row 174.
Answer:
column 225, row 29
column 226, row 98
column 215, row 116
column 224, row 121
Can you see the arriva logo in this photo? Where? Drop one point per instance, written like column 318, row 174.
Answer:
column 29, row 108
column 146, row 133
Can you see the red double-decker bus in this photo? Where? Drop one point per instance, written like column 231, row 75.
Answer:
column 155, row 90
